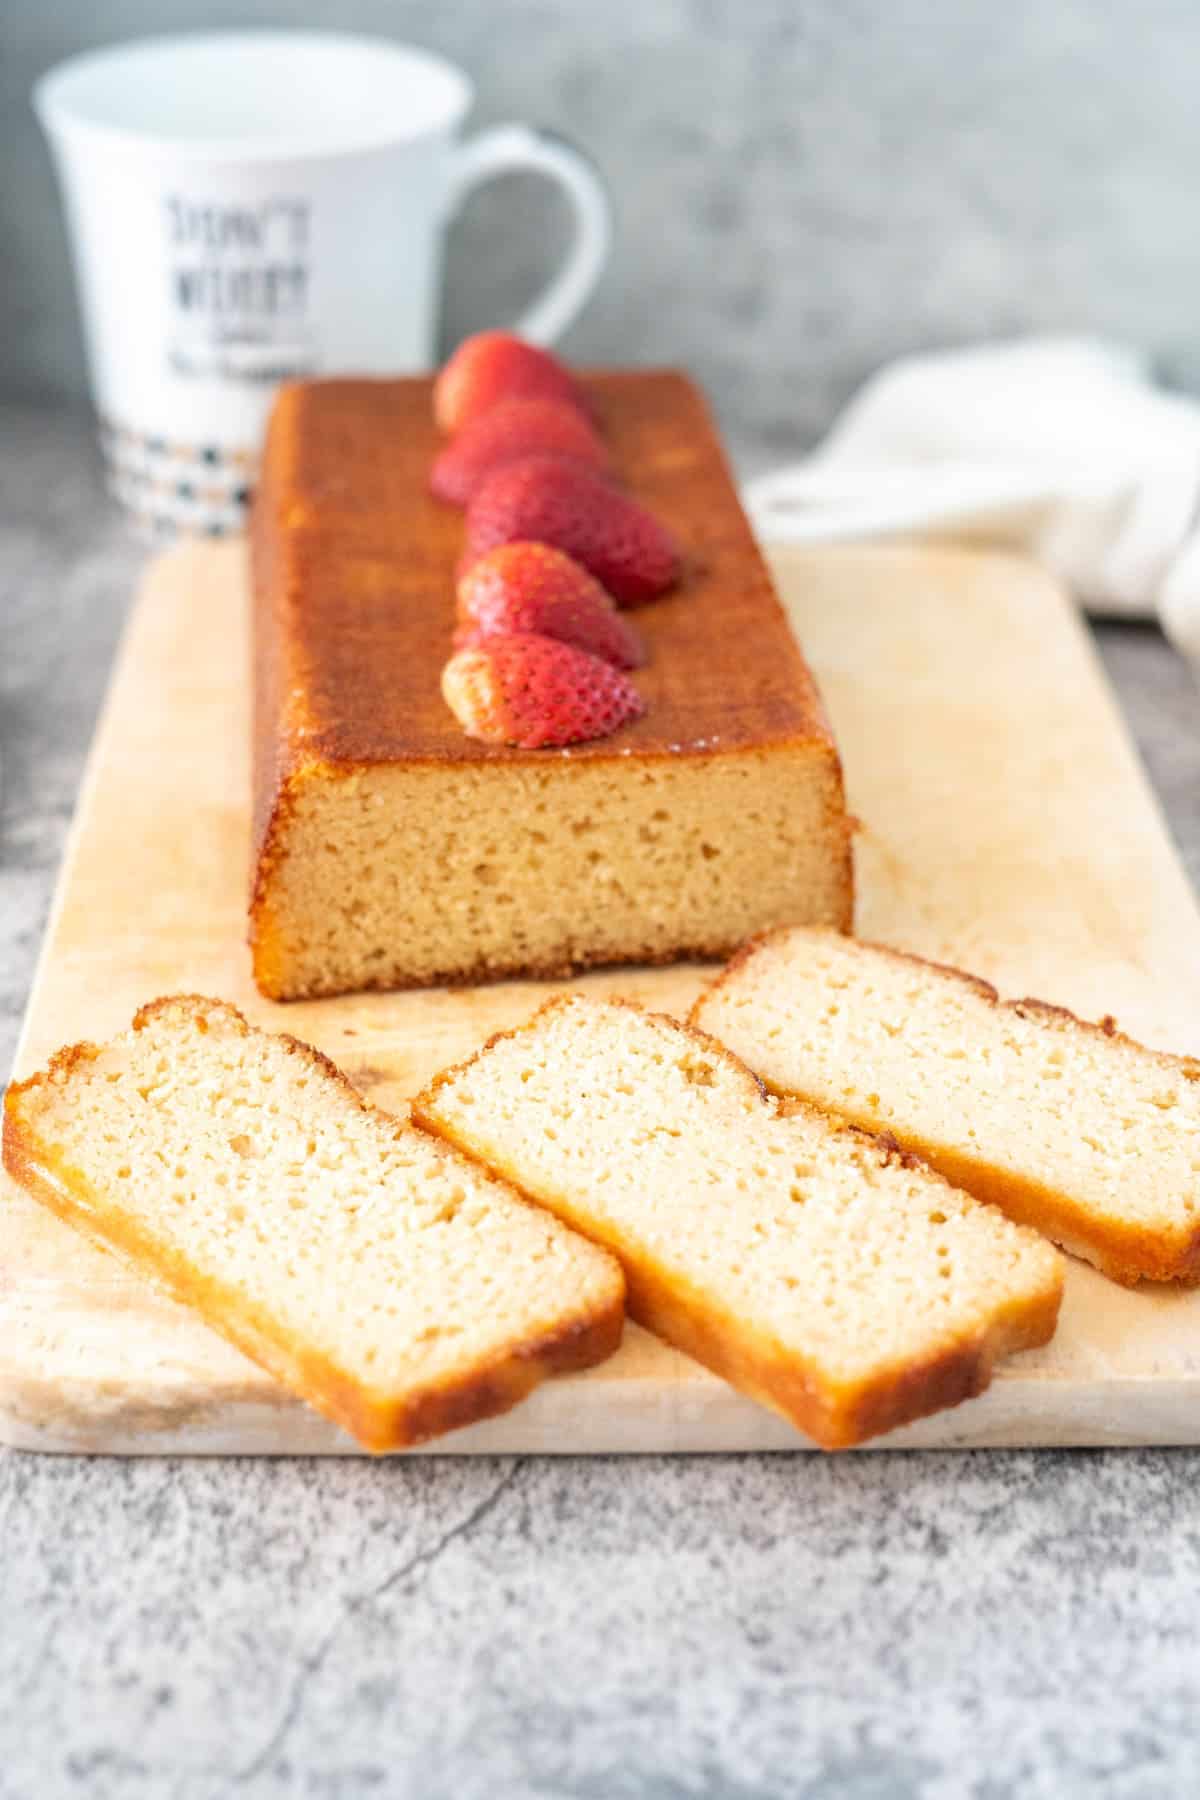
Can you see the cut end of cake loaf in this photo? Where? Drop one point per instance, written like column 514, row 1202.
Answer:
column 815, row 1267
column 1069, row 1126
column 385, row 1279
column 391, row 850
column 399, row 877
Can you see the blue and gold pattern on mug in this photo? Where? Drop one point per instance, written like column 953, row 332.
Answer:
column 168, row 488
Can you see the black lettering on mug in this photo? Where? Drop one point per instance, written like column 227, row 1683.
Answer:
column 238, row 283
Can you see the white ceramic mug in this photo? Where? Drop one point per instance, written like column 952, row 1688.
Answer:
column 247, row 207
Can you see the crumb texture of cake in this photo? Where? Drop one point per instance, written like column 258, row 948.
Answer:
column 399, row 877
column 813, row 1266
column 384, row 1278
column 391, row 850
column 1069, row 1126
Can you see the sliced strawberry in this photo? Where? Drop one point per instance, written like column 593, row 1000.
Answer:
column 532, row 587
column 494, row 366
column 506, row 432
column 535, row 692
column 545, row 499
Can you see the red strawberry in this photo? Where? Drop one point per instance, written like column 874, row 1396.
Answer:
column 495, row 365
column 506, row 432
column 533, row 692
column 541, row 497
column 531, row 587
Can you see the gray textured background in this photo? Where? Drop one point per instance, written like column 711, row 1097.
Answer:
column 805, row 186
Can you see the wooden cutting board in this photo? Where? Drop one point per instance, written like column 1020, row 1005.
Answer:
column 1006, row 824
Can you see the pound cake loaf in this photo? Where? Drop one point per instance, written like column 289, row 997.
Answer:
column 1068, row 1126
column 383, row 1278
column 391, row 850
column 815, row 1267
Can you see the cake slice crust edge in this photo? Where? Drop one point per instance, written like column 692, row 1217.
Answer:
column 1125, row 1252
column 379, row 1421
column 732, row 1347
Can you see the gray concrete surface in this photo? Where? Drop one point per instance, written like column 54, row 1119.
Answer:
column 804, row 187
column 891, row 1627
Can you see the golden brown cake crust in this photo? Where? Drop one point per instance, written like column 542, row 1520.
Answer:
column 427, row 1413
column 1128, row 1254
column 656, row 1299
column 353, row 571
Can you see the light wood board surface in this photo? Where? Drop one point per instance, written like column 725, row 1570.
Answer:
column 1005, row 824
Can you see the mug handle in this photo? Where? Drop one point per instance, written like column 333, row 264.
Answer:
column 509, row 147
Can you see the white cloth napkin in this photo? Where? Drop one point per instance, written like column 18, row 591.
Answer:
column 1062, row 448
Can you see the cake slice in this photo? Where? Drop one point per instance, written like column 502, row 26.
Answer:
column 386, row 1280
column 815, row 1267
column 391, row 850
column 1068, row 1126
